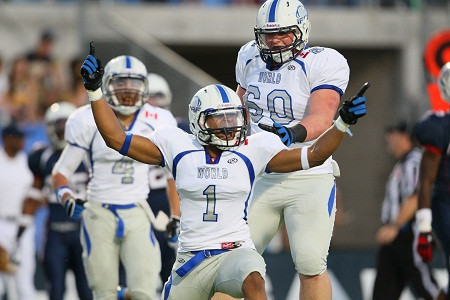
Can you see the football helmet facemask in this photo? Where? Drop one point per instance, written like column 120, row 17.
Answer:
column 281, row 17
column 55, row 121
column 217, row 118
column 159, row 93
column 444, row 82
column 125, row 84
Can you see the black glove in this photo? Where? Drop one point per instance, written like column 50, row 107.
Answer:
column 74, row 207
column 173, row 228
column 288, row 135
column 92, row 70
column 355, row 107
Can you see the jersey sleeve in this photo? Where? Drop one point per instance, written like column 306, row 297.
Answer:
column 328, row 69
column 80, row 128
column 245, row 55
column 267, row 145
column 168, row 118
column 430, row 133
column 165, row 137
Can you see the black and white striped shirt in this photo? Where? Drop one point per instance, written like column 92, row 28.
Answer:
column 402, row 183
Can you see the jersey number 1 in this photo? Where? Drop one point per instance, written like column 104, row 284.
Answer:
column 210, row 193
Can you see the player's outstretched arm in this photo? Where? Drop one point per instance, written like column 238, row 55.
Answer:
column 327, row 143
column 136, row 147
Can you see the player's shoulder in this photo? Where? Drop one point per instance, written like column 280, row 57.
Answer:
column 319, row 51
column 321, row 55
column 431, row 120
column 248, row 52
column 262, row 138
column 169, row 131
column 82, row 115
column 432, row 128
column 150, row 112
column 36, row 152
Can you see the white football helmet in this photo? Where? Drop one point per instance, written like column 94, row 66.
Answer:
column 159, row 93
column 125, row 84
column 217, row 118
column 281, row 16
column 444, row 82
column 55, row 120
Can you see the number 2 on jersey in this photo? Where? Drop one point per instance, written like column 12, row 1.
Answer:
column 210, row 193
column 281, row 114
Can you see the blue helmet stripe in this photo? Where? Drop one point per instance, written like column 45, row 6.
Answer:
column 127, row 62
column 272, row 10
column 223, row 94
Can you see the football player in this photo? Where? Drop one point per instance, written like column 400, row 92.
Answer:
column 294, row 91
column 62, row 243
column 433, row 132
column 116, row 222
column 214, row 170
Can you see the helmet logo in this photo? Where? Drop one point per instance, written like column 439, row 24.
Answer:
column 301, row 14
column 197, row 106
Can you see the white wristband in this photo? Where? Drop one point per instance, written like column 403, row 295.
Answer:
column 35, row 194
column 304, row 158
column 423, row 219
column 61, row 191
column 26, row 220
column 95, row 95
column 342, row 126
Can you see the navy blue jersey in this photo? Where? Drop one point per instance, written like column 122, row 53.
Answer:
column 41, row 162
column 433, row 133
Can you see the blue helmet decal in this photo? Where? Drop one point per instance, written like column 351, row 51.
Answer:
column 223, row 94
column 273, row 8
column 127, row 62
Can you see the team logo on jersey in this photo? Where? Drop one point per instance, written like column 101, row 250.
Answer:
column 197, row 106
column 316, row 50
column 232, row 160
column 291, row 67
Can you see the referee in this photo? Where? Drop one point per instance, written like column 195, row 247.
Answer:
column 398, row 263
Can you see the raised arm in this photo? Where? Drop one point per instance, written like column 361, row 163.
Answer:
column 290, row 160
column 134, row 146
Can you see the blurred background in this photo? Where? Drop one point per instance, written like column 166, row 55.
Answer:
column 193, row 43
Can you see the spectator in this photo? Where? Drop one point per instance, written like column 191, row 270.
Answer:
column 46, row 71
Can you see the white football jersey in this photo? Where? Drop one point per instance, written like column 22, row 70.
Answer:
column 281, row 95
column 16, row 180
column 115, row 178
column 214, row 195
